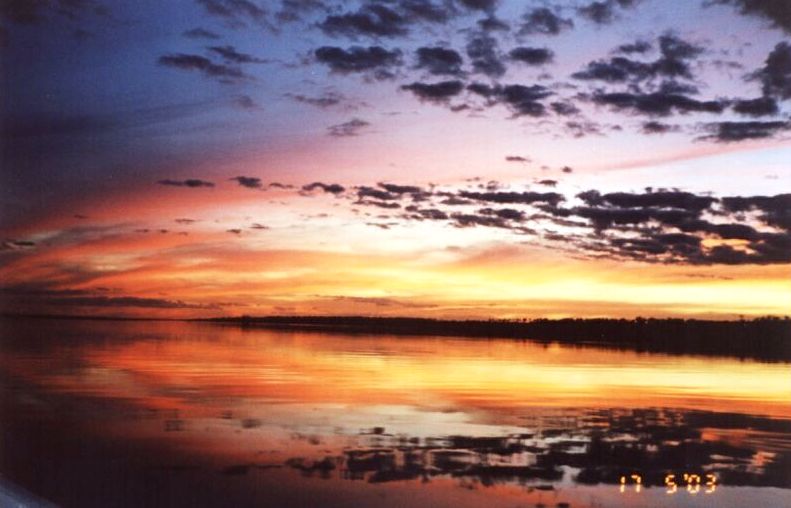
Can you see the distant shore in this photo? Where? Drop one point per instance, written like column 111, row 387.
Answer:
column 762, row 338
column 767, row 339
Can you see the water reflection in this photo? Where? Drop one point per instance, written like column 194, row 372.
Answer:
column 213, row 415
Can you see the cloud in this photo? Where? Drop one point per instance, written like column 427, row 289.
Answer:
column 523, row 100
column 657, row 104
column 435, row 92
column 439, row 61
column 761, row 106
column 347, row 129
column 639, row 46
column 775, row 75
column 484, row 55
column 44, row 295
column 672, row 63
column 480, row 5
column 727, row 132
column 654, row 226
column 230, row 54
column 660, row 199
column 544, row 21
column 330, row 188
column 200, row 33
column 246, row 102
column 654, row 127
column 373, row 59
column 516, row 158
column 203, row 65
column 373, row 20
column 190, row 182
column 532, row 56
column 326, row 100
column 251, row 182
column 236, row 12
column 293, row 10
column 604, row 12
column 775, row 210
column 32, row 12
column 16, row 245
column 552, row 198
column 493, row 24
column 776, row 11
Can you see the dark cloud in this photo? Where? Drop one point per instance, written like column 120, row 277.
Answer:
column 60, row 298
column 616, row 70
column 739, row 131
column 552, row 198
column 674, row 62
column 31, row 12
column 203, row 65
column 638, row 46
column 520, row 99
column 776, row 11
column 599, row 12
column 481, row 5
column 564, row 108
column 234, row 231
column 425, row 10
column 774, row 210
column 330, row 188
column 16, row 245
column 374, row 59
column 439, row 61
column 532, row 56
column 775, row 75
column 493, row 24
column 236, row 12
column 542, row 20
column 200, row 33
column 484, row 55
column 435, row 92
column 190, row 182
column 374, row 20
column 401, row 189
column 185, row 221
column 379, row 194
column 347, row 129
column 654, row 127
column 657, row 104
column 326, row 100
column 604, row 12
column 245, row 102
column 567, row 169
column 258, row 226
column 516, row 158
column 251, row 182
column 659, row 199
column 294, row 10
column 657, row 226
column 230, row 54
column 523, row 100
column 761, row 106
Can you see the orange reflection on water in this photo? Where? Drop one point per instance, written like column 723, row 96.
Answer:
column 229, row 363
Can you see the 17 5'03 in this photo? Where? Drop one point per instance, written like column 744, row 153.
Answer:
column 694, row 483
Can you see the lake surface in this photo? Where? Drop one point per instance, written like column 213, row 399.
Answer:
column 111, row 413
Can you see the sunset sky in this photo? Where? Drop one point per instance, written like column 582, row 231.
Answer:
column 442, row 158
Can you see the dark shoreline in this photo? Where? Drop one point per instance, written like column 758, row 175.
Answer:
column 766, row 339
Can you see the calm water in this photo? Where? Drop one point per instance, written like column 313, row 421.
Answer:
column 183, row 414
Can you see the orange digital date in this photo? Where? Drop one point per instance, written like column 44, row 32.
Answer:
column 693, row 483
